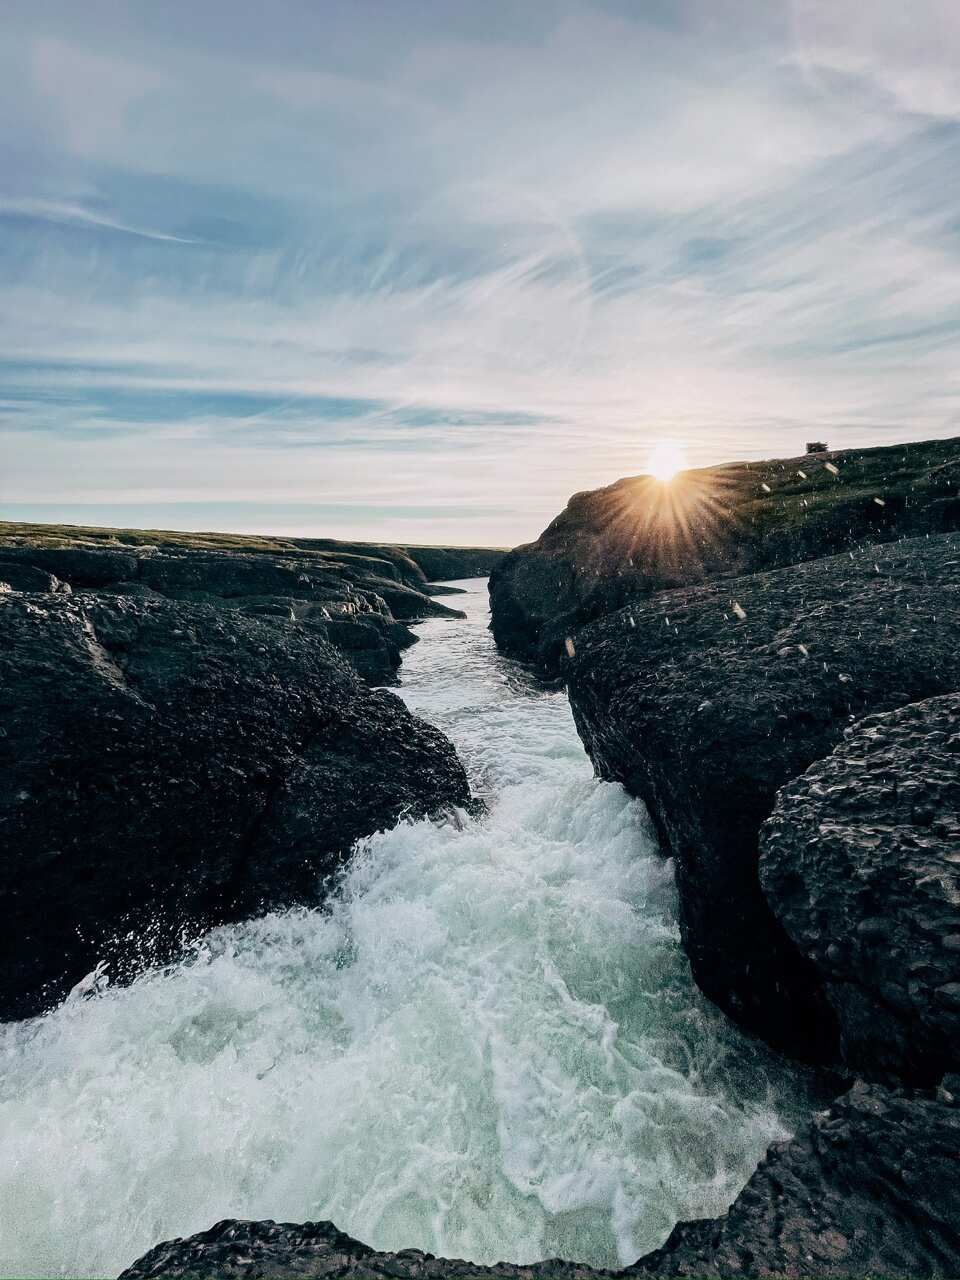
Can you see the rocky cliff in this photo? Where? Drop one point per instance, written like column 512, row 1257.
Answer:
column 356, row 596
column 638, row 536
column 185, row 739
column 704, row 701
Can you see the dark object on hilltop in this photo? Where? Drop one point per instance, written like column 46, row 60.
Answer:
column 869, row 1189
column 861, row 864
column 816, row 446
column 705, row 701
column 168, row 765
column 639, row 536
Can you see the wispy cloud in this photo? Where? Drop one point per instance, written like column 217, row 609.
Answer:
column 76, row 215
column 335, row 258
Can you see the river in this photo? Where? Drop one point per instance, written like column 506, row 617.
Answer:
column 488, row 1045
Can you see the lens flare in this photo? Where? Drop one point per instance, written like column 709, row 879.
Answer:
column 667, row 458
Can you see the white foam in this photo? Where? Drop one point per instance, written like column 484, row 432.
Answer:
column 489, row 1046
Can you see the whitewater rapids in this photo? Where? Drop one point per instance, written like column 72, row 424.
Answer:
column 488, row 1045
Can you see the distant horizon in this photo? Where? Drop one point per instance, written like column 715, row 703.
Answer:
column 337, row 524
column 418, row 272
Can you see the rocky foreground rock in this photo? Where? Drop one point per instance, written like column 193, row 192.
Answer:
column 185, row 740
column 705, row 701
column 638, row 536
column 860, row 862
column 868, row 1189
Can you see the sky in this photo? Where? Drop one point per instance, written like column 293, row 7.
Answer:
column 420, row 269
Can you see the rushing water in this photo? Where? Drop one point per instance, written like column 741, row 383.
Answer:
column 489, row 1045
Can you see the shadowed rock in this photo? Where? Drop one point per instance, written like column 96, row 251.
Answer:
column 309, row 1250
column 860, row 862
column 17, row 575
column 322, row 591
column 442, row 564
column 168, row 765
column 705, row 701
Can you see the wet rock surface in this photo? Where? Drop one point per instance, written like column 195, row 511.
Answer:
column 637, row 536
column 860, row 862
column 287, row 1250
column 166, row 765
column 705, row 701
column 868, row 1189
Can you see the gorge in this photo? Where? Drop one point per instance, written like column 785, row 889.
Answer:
column 501, row 1029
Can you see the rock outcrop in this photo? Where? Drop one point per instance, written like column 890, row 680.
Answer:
column 705, row 701
column 638, row 536
column 860, row 863
column 443, row 564
column 868, row 1189
column 417, row 565
column 170, row 764
column 19, row 576
column 234, row 1250
column 358, row 603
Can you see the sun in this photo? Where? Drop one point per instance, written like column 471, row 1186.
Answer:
column 666, row 459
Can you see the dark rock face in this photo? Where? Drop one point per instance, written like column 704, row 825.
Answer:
column 869, row 1189
column 355, row 602
column 860, row 863
column 444, row 564
column 79, row 566
column 637, row 536
column 309, row 1250
column 18, row 576
column 417, row 566
column 167, row 764
column 705, row 701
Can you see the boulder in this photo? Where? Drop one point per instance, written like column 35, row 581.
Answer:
column 868, row 1189
column 639, row 536
column 407, row 605
column 166, row 766
column 234, row 1250
column 372, row 649
column 860, row 862
column 705, row 701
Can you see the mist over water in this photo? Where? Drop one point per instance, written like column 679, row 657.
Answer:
column 488, row 1045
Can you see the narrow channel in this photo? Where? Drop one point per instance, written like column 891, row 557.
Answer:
column 488, row 1045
